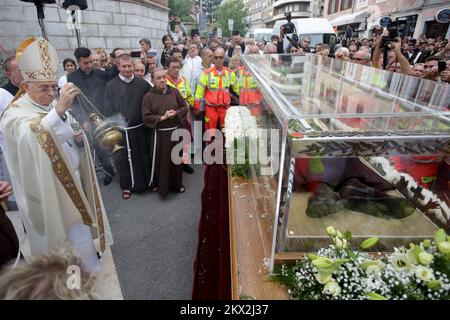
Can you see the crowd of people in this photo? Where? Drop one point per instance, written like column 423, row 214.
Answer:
column 192, row 78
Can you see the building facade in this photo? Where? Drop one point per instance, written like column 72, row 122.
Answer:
column 264, row 13
column 363, row 15
column 105, row 24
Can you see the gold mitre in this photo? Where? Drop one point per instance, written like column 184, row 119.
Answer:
column 38, row 60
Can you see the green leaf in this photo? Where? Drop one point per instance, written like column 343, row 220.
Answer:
column 434, row 284
column 352, row 254
column 416, row 252
column 440, row 236
column 312, row 256
column 369, row 243
column 321, row 263
column 348, row 235
column 375, row 296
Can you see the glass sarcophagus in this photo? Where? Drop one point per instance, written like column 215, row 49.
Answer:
column 347, row 146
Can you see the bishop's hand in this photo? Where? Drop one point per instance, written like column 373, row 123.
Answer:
column 66, row 96
column 5, row 190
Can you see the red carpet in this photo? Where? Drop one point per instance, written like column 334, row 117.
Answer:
column 212, row 279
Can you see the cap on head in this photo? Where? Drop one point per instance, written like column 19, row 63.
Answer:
column 38, row 60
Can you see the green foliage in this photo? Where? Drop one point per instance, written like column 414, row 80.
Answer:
column 181, row 8
column 232, row 9
column 242, row 169
column 337, row 272
column 209, row 6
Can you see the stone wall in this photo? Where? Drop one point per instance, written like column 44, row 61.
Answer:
column 106, row 24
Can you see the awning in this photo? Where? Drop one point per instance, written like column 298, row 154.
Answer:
column 356, row 17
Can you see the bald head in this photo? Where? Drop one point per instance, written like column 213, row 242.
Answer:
column 139, row 69
column 219, row 57
column 270, row 48
column 207, row 57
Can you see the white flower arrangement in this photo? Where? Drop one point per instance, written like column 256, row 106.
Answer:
column 240, row 131
column 420, row 272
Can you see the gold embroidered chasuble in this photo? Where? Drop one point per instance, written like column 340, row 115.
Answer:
column 50, row 197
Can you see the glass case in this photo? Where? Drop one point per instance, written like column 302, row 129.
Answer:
column 346, row 145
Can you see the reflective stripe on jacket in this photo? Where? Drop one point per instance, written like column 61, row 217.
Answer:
column 215, row 88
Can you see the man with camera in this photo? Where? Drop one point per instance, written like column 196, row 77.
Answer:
column 236, row 40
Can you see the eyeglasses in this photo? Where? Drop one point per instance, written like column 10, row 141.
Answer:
column 47, row 89
column 218, row 58
column 359, row 59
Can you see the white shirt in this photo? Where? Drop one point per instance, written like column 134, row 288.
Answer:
column 62, row 81
column 192, row 70
column 5, row 100
column 148, row 78
column 127, row 80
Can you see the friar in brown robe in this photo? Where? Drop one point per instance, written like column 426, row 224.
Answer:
column 164, row 110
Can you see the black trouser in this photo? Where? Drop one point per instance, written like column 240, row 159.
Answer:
column 104, row 159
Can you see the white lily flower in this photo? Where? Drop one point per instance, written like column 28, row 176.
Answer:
column 424, row 273
column 332, row 288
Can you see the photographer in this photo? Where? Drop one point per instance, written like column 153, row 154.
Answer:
column 176, row 29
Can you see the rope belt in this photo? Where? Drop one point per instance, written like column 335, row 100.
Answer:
column 155, row 140
column 130, row 160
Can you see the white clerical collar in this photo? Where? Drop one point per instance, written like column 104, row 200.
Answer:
column 127, row 80
column 45, row 108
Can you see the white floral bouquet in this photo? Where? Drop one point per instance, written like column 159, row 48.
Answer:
column 337, row 272
column 240, row 131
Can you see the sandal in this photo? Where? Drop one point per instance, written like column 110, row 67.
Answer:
column 181, row 189
column 126, row 194
column 154, row 188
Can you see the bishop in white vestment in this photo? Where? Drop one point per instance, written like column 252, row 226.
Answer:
column 51, row 167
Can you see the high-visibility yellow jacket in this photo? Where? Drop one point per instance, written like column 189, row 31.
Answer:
column 215, row 88
column 249, row 93
column 183, row 86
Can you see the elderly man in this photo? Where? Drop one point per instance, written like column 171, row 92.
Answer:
column 361, row 57
column 270, row 48
column 253, row 50
column 352, row 50
column 9, row 90
column 51, row 166
column 152, row 63
column 96, row 62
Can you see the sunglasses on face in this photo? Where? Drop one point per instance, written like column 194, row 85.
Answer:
column 218, row 58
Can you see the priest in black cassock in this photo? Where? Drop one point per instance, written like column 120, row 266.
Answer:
column 123, row 95
column 92, row 84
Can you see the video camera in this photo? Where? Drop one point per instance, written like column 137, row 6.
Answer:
column 289, row 28
column 397, row 28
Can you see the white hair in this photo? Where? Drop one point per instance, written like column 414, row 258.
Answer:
column 345, row 52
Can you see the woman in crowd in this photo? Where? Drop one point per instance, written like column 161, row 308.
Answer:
column 69, row 66
column 167, row 40
column 103, row 57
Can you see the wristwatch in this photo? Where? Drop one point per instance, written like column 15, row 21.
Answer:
column 63, row 117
